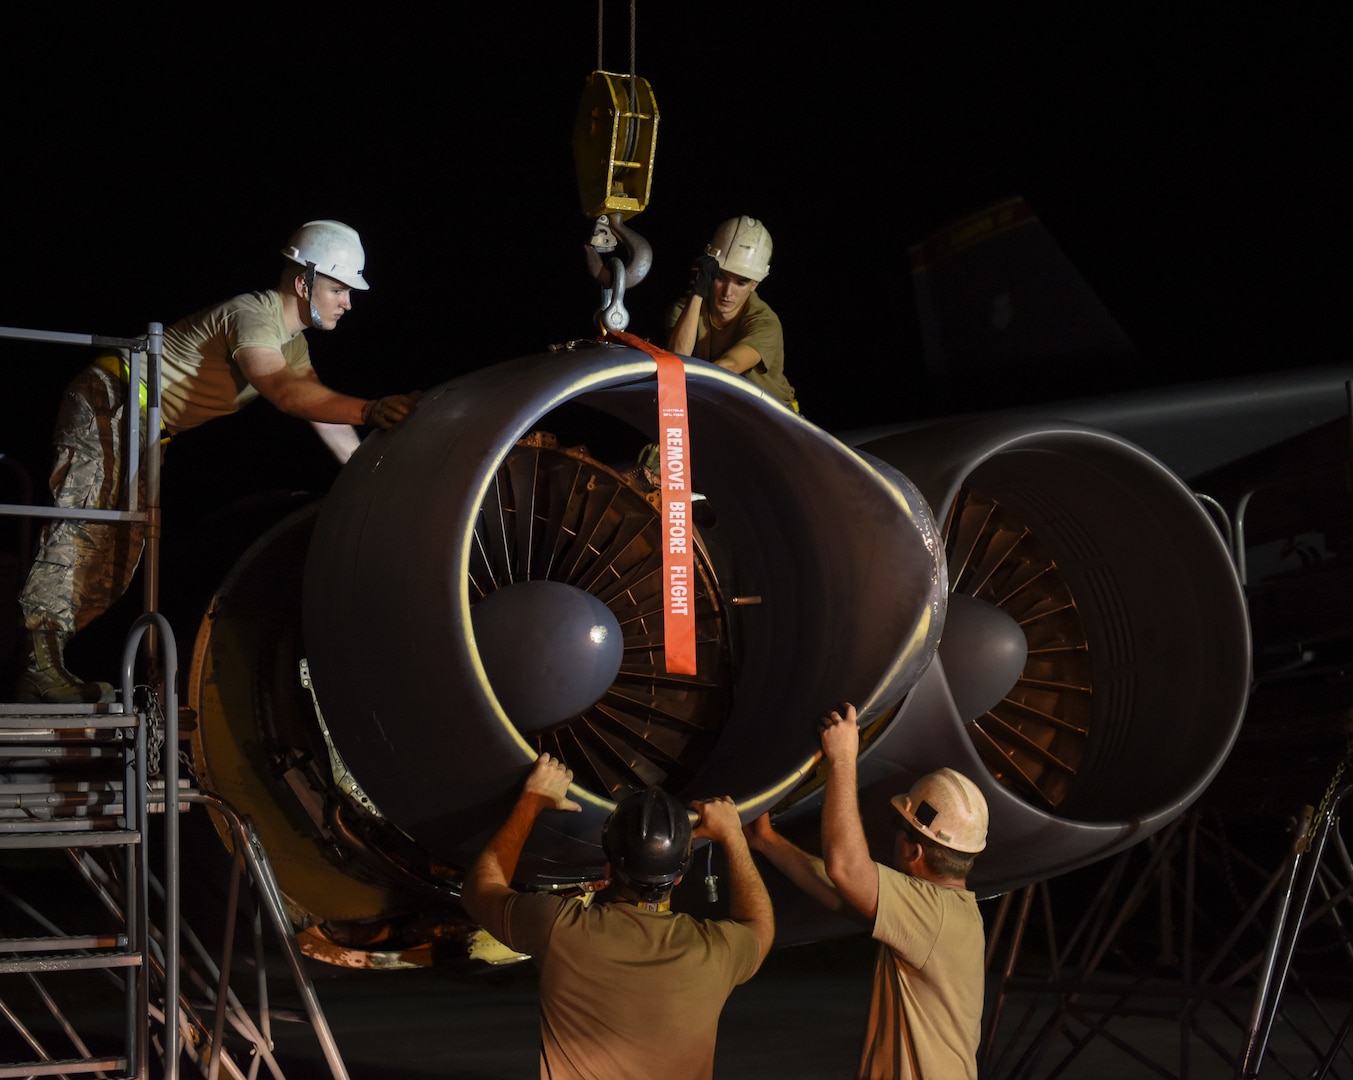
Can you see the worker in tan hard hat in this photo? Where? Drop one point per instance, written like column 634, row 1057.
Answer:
column 214, row 363
column 926, row 1013
column 721, row 319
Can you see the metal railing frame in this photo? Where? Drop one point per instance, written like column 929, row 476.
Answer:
column 143, row 351
column 162, row 651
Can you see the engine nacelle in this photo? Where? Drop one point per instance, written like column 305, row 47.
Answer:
column 448, row 510
column 1091, row 675
column 819, row 579
column 1138, row 648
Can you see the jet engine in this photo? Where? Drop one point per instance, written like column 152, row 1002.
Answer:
column 1095, row 667
column 379, row 670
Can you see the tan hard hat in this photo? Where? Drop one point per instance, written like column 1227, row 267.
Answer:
column 948, row 808
column 742, row 246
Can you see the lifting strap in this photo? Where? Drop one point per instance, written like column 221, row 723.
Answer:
column 678, row 549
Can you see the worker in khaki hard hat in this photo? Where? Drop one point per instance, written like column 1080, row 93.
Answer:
column 214, row 362
column 926, row 1012
column 628, row 987
column 721, row 319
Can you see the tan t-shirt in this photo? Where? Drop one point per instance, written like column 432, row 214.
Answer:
column 626, row 992
column 200, row 379
column 925, row 1018
column 756, row 325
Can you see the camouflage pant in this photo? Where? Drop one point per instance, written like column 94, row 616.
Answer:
column 82, row 567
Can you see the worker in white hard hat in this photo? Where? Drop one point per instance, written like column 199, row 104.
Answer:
column 214, row 362
column 721, row 319
column 926, row 1012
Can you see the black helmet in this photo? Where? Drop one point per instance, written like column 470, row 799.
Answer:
column 647, row 839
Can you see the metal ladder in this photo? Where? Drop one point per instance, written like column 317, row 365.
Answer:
column 77, row 783
column 74, row 780
column 81, row 780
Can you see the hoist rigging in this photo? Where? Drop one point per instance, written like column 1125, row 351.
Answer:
column 614, row 140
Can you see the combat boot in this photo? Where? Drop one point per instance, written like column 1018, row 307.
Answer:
column 43, row 677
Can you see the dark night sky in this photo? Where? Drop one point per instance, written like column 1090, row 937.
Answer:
column 1190, row 162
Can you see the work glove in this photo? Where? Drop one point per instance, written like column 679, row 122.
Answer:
column 386, row 412
column 703, row 272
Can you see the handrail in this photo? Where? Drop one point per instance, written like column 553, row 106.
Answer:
column 151, row 347
column 56, row 337
column 170, row 771
column 144, row 415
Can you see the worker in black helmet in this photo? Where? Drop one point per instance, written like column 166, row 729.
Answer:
column 628, row 987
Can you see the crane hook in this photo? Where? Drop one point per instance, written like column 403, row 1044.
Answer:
column 610, row 234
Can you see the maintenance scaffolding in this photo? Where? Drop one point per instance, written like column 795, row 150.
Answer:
column 88, row 930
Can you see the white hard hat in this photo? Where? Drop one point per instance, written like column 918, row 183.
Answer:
column 948, row 808
column 334, row 249
column 742, row 246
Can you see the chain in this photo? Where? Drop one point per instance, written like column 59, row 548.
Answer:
column 150, row 705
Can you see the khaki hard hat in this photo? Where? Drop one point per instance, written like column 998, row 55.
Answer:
column 332, row 248
column 948, row 808
column 742, row 246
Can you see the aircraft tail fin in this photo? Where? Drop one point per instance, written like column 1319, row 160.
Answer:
column 1002, row 308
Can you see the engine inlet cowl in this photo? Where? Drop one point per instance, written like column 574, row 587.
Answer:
column 466, row 504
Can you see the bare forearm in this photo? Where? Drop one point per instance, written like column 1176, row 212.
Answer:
column 748, row 901
column 739, row 359
column 493, row 869
column 311, row 400
column 682, row 337
column 806, row 871
column 845, row 850
column 488, row 886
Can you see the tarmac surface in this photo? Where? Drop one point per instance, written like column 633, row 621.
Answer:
column 1137, row 1010
column 801, row 1016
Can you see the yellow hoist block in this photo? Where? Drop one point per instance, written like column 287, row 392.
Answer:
column 614, row 138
